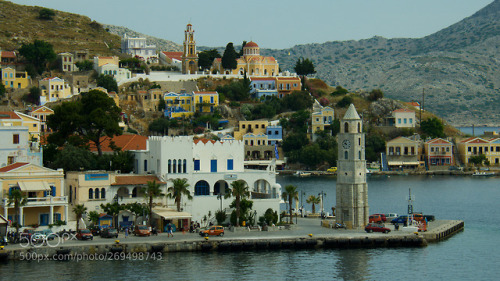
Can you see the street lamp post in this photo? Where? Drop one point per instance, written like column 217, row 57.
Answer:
column 321, row 195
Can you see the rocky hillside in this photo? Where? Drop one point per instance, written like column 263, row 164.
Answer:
column 457, row 66
column 161, row 44
column 66, row 31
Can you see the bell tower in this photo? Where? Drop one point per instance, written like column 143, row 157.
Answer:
column 189, row 55
column 352, row 190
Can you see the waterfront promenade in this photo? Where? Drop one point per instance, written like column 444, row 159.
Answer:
column 307, row 232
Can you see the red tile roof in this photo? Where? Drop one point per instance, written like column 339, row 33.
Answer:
column 203, row 141
column 474, row 140
column 12, row 166
column 9, row 115
column 251, row 44
column 125, row 142
column 288, row 78
column 438, row 141
column 414, row 103
column 262, row 78
column 8, row 54
column 173, row 55
column 136, row 180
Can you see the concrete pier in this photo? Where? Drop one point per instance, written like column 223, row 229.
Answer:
column 307, row 234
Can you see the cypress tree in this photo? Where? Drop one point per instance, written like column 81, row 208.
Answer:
column 229, row 57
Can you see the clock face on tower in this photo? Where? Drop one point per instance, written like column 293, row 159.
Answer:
column 346, row 144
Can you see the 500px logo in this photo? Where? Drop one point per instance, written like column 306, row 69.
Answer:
column 53, row 240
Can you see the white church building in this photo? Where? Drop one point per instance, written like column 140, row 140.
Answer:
column 210, row 167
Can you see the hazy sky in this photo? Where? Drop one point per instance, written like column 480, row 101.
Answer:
column 273, row 23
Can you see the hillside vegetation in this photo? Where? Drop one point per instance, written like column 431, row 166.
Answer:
column 456, row 66
column 65, row 31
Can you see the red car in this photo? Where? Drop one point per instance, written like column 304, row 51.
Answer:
column 375, row 227
column 84, row 234
column 384, row 218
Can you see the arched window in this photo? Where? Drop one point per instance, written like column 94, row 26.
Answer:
column 169, row 166
column 360, row 155
column 174, row 166
column 96, row 193
column 103, row 193
column 359, row 127
column 346, row 155
column 91, row 193
column 201, row 188
column 134, row 192
column 346, row 127
column 179, row 166
column 184, row 166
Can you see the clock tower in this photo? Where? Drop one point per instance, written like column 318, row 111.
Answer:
column 189, row 55
column 352, row 190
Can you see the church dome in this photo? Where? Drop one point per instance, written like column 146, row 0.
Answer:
column 251, row 49
column 251, row 44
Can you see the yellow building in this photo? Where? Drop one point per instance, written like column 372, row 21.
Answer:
column 251, row 62
column 475, row 146
column 205, row 102
column 44, row 188
column 254, row 127
column 178, row 105
column 15, row 79
column 189, row 57
column 438, row 152
column 14, row 118
column 53, row 89
column 41, row 113
column 100, row 61
column 403, row 153
column 287, row 85
column 321, row 117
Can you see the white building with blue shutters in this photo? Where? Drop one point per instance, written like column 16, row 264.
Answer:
column 210, row 167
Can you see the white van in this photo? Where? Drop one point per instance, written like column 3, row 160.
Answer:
column 390, row 216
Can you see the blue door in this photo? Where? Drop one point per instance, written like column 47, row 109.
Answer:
column 213, row 166
column 44, row 219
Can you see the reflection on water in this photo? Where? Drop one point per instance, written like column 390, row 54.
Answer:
column 470, row 255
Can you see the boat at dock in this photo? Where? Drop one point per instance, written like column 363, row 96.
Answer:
column 483, row 174
column 302, row 174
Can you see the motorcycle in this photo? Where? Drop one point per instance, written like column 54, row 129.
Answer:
column 339, row 225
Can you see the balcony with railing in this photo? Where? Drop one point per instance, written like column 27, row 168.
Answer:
column 39, row 201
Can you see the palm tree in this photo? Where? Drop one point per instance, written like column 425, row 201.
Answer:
column 79, row 210
column 113, row 209
column 289, row 194
column 19, row 199
column 239, row 190
column 151, row 192
column 313, row 200
column 179, row 188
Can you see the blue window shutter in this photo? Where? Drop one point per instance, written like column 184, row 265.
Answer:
column 230, row 164
column 213, row 166
column 52, row 190
column 196, row 165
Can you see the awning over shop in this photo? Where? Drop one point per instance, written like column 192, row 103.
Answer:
column 29, row 186
column 398, row 163
column 3, row 220
column 168, row 213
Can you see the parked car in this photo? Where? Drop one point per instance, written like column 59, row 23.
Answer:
column 48, row 234
column 109, row 233
column 142, row 230
column 332, row 169
column 384, row 218
column 96, row 230
column 375, row 219
column 391, row 216
column 84, row 234
column 400, row 220
column 375, row 227
column 213, row 230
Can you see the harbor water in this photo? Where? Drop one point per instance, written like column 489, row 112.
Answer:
column 470, row 255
